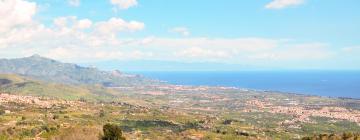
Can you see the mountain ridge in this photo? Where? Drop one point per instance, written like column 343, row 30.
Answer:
column 19, row 85
column 45, row 69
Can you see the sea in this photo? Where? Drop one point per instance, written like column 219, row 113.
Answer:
column 321, row 83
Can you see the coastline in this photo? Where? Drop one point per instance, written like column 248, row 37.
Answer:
column 330, row 84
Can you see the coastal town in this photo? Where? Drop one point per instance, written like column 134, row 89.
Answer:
column 191, row 112
column 303, row 114
column 42, row 102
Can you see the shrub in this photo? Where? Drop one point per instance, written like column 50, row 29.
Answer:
column 56, row 117
column 2, row 112
column 112, row 132
column 25, row 133
column 192, row 125
column 344, row 136
column 46, row 128
column 10, row 130
column 102, row 113
column 35, row 131
column 53, row 128
column 228, row 122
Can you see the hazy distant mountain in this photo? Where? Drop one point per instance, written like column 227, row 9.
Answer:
column 41, row 68
column 156, row 65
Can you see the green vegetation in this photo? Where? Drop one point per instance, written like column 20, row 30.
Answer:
column 45, row 69
column 33, row 109
column 112, row 132
column 344, row 136
column 24, row 86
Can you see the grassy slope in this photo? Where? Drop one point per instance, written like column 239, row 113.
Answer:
column 24, row 86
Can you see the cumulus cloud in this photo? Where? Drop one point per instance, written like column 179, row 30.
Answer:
column 84, row 24
column 69, row 30
column 61, row 53
column 280, row 4
column 72, row 22
column 16, row 13
column 67, row 38
column 74, row 2
column 17, row 23
column 118, row 25
column 124, row 4
column 237, row 50
column 181, row 30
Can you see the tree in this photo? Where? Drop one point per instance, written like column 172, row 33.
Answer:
column 112, row 132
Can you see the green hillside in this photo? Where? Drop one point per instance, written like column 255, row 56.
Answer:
column 45, row 69
column 14, row 84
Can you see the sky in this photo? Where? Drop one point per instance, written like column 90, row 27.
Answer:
column 263, row 34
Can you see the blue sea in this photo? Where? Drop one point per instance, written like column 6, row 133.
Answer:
column 322, row 83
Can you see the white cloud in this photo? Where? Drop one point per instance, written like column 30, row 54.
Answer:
column 202, row 53
column 181, row 30
column 239, row 44
column 235, row 50
column 61, row 53
column 310, row 51
column 124, row 4
column 94, row 54
column 84, row 24
column 70, row 31
column 280, row 4
column 72, row 22
column 351, row 49
column 15, row 13
column 74, row 2
column 62, row 21
column 120, row 55
column 118, row 25
column 68, row 38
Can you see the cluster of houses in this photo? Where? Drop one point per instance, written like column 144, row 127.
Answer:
column 302, row 114
column 31, row 100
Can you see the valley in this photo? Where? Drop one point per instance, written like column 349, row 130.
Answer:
column 178, row 112
column 32, row 108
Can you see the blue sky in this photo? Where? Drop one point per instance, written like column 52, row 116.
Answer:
column 271, row 34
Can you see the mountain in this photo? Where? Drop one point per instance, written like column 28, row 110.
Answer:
column 45, row 69
column 157, row 65
column 19, row 85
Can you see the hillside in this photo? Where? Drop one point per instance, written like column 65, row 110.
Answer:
column 13, row 84
column 45, row 69
column 171, row 112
